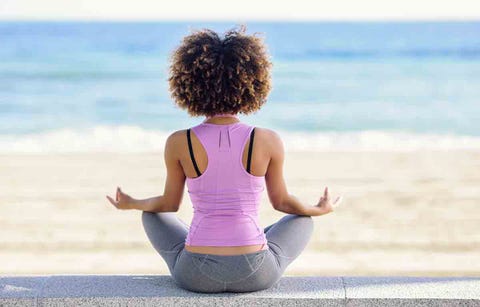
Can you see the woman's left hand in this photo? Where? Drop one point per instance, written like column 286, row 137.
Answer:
column 122, row 201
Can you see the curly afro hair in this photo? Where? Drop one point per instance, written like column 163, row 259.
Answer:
column 210, row 75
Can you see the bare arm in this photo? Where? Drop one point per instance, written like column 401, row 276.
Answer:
column 174, row 185
column 277, row 189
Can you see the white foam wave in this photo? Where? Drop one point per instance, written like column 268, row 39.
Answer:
column 95, row 139
column 130, row 139
column 378, row 141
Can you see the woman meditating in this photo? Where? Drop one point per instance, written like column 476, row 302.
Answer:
column 226, row 165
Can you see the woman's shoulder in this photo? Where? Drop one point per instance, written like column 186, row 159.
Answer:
column 269, row 137
column 266, row 132
column 175, row 135
column 175, row 140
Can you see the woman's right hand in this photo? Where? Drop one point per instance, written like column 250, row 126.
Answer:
column 326, row 205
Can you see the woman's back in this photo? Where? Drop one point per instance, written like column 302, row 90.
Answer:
column 224, row 193
column 225, row 196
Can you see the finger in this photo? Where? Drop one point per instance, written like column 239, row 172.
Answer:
column 121, row 194
column 111, row 201
column 325, row 194
column 118, row 194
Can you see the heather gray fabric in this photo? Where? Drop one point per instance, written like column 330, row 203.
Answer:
column 210, row 273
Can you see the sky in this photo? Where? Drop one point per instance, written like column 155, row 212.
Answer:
column 243, row 10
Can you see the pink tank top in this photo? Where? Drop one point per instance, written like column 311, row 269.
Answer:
column 225, row 197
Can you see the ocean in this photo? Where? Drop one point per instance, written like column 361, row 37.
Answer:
column 102, row 86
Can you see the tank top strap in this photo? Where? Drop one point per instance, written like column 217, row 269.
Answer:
column 241, row 134
column 213, row 139
column 223, row 142
column 204, row 135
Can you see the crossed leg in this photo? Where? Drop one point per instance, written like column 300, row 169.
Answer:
column 167, row 233
column 287, row 237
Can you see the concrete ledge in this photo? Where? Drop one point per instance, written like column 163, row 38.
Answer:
column 161, row 290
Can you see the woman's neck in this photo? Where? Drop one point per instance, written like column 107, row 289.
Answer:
column 224, row 118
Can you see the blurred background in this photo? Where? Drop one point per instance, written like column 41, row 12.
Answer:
column 379, row 100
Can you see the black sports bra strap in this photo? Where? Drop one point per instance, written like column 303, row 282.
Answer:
column 191, row 153
column 250, row 148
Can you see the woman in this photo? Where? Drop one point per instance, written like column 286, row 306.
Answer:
column 225, row 164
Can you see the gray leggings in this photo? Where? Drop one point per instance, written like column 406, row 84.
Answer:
column 211, row 273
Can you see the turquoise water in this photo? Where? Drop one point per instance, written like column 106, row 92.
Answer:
column 81, row 86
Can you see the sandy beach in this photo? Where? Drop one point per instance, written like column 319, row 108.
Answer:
column 404, row 213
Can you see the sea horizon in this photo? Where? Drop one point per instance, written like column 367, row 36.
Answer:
column 355, row 85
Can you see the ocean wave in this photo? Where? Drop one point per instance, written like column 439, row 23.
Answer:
column 465, row 53
column 131, row 139
column 73, row 75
